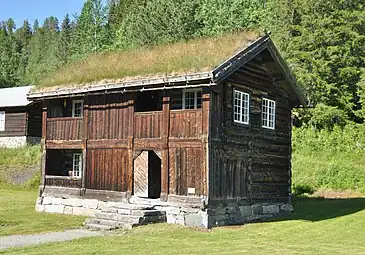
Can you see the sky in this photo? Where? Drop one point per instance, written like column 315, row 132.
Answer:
column 19, row 10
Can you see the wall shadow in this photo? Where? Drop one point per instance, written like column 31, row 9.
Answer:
column 317, row 209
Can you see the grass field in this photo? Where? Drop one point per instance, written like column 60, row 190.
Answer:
column 319, row 226
column 18, row 216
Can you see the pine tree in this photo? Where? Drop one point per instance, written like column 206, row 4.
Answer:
column 23, row 36
column 65, row 40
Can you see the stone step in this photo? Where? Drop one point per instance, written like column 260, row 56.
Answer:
column 144, row 213
column 118, row 217
column 146, row 201
column 130, row 206
column 105, row 222
column 93, row 226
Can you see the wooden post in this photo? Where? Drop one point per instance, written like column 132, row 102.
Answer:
column 205, row 135
column 130, row 145
column 43, row 143
column 85, row 129
column 165, row 148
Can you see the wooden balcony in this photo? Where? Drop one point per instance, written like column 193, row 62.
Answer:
column 186, row 123
column 62, row 181
column 148, row 124
column 65, row 128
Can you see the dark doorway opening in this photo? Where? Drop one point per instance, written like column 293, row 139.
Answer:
column 154, row 175
column 147, row 175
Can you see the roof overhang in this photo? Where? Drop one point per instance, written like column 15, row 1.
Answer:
column 161, row 83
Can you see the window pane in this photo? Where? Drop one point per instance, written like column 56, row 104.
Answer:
column 77, row 165
column 241, row 107
column 2, row 121
column 198, row 99
column 193, row 99
column 268, row 113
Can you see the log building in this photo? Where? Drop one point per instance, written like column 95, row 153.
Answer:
column 20, row 119
column 207, row 148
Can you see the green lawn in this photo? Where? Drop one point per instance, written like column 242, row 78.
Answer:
column 319, row 226
column 18, row 216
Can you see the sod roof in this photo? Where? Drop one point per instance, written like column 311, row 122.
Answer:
column 194, row 56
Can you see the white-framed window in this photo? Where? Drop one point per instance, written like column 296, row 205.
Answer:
column 241, row 103
column 268, row 113
column 77, row 108
column 2, row 121
column 192, row 99
column 77, row 165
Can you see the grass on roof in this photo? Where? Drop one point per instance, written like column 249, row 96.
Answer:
column 197, row 55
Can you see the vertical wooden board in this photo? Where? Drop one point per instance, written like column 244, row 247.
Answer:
column 178, row 171
column 141, row 175
column 172, row 170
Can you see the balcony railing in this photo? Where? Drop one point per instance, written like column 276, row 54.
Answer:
column 65, row 128
column 63, row 181
column 186, row 123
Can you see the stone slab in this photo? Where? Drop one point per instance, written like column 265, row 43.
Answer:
column 54, row 208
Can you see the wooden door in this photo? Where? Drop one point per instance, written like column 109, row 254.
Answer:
column 140, row 179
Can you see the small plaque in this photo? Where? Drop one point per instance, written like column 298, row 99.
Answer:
column 191, row 190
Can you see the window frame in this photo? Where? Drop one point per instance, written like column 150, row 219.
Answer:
column 242, row 107
column 268, row 114
column 2, row 121
column 79, row 176
column 195, row 98
column 74, row 102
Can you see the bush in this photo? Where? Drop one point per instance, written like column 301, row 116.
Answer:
column 329, row 159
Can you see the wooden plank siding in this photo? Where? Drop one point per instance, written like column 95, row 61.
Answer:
column 65, row 128
column 186, row 170
column 107, row 169
column 148, row 124
column 115, row 132
column 248, row 161
column 109, row 117
column 62, row 182
column 15, row 122
column 186, row 123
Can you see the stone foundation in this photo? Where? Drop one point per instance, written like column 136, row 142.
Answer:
column 187, row 216
column 18, row 141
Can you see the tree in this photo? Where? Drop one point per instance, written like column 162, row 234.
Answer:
column 323, row 41
column 219, row 16
column 65, row 40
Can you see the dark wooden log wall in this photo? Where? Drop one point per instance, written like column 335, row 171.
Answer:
column 65, row 128
column 15, row 121
column 107, row 169
column 249, row 161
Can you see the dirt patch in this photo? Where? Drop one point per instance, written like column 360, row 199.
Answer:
column 18, row 175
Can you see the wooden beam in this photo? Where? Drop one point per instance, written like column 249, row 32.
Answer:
column 205, row 134
column 43, row 142
column 130, row 144
column 165, row 147
column 85, row 135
